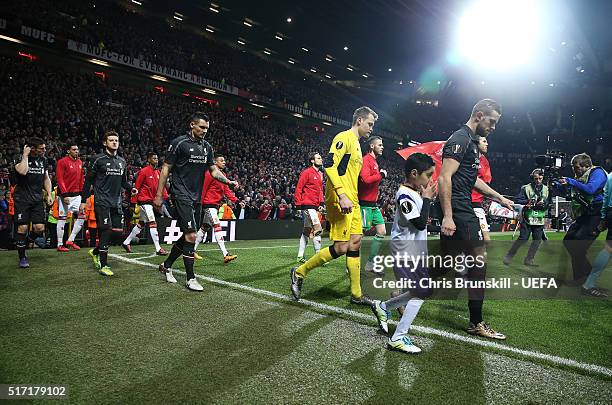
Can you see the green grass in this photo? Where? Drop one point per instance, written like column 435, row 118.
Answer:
column 133, row 338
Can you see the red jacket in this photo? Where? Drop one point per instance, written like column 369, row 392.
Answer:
column 309, row 190
column 70, row 177
column 264, row 212
column 213, row 191
column 484, row 173
column 146, row 184
column 369, row 179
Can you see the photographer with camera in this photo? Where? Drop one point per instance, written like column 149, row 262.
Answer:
column 586, row 191
column 535, row 198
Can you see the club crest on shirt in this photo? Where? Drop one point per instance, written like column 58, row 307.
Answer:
column 339, row 145
column 457, row 149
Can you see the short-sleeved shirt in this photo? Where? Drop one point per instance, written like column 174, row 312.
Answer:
column 462, row 146
column 29, row 187
column 107, row 174
column 345, row 155
column 190, row 158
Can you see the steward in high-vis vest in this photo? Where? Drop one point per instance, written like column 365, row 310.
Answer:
column 535, row 198
column 586, row 190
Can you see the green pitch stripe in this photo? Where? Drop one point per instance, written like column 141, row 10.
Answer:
column 594, row 368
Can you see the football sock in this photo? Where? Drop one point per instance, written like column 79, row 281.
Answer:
column 317, row 243
column 20, row 244
column 353, row 264
column 411, row 311
column 78, row 225
column 188, row 249
column 324, row 256
column 375, row 247
column 303, row 244
column 135, row 231
column 61, row 223
column 154, row 235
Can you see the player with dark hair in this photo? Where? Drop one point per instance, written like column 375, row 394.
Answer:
column 107, row 174
column 213, row 192
column 188, row 157
column 308, row 197
column 70, row 179
column 484, row 173
column 31, row 179
column 145, row 187
column 460, row 230
column 342, row 166
column 409, row 237
column 369, row 180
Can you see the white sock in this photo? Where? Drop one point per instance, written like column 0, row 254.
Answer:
column 317, row 243
column 199, row 239
column 78, row 225
column 135, row 231
column 221, row 242
column 61, row 223
column 411, row 311
column 155, row 237
column 303, row 244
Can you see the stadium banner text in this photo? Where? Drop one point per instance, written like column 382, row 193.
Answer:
column 145, row 65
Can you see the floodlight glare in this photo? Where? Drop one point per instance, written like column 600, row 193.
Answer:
column 499, row 34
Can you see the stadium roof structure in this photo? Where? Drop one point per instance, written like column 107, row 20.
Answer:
column 375, row 40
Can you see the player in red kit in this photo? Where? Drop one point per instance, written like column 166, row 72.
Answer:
column 70, row 179
column 369, row 181
column 309, row 198
column 484, row 173
column 146, row 186
column 213, row 192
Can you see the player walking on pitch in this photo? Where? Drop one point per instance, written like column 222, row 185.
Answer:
column 308, row 197
column 342, row 166
column 189, row 156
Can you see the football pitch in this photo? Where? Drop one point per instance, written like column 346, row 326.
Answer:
column 133, row 338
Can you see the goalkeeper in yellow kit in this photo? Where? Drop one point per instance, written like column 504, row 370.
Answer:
column 342, row 167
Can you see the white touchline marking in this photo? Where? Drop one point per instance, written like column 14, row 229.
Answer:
column 217, row 249
column 370, row 318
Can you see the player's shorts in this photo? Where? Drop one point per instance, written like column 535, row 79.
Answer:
column 342, row 226
column 371, row 216
column 30, row 211
column 467, row 237
column 418, row 278
column 147, row 214
column 108, row 217
column 311, row 218
column 73, row 205
column 188, row 215
column 482, row 218
column 210, row 216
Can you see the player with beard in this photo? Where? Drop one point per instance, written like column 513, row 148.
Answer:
column 308, row 197
column 460, row 230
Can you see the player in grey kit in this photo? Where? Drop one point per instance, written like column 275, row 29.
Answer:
column 187, row 159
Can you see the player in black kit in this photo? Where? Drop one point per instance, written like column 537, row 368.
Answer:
column 188, row 157
column 32, row 177
column 106, row 172
column 460, row 231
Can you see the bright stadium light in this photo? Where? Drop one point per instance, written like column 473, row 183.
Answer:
column 499, row 34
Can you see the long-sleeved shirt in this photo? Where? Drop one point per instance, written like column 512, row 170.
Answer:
column 597, row 181
column 342, row 166
column 213, row 191
column 484, row 174
column 146, row 184
column 108, row 176
column 369, row 180
column 69, row 175
column 309, row 190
